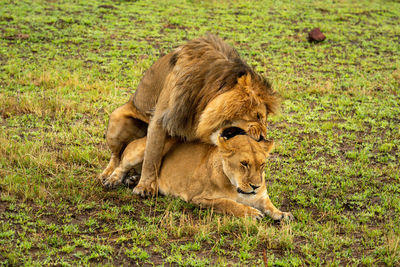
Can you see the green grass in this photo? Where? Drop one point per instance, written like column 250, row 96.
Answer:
column 66, row 65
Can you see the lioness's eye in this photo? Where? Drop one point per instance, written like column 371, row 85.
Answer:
column 258, row 116
column 244, row 164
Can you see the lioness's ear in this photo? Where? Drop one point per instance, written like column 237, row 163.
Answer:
column 223, row 146
column 268, row 145
column 222, row 142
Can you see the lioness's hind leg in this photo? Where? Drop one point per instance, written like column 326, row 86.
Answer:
column 130, row 180
column 132, row 156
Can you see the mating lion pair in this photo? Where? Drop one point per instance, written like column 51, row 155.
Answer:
column 199, row 93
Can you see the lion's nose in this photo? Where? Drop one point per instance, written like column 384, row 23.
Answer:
column 254, row 186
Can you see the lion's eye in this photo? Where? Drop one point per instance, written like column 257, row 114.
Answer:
column 258, row 116
column 244, row 164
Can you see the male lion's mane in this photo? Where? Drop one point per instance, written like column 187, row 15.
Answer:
column 202, row 70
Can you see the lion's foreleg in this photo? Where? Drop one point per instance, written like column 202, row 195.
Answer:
column 156, row 136
column 229, row 206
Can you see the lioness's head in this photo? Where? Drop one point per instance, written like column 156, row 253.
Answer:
column 243, row 161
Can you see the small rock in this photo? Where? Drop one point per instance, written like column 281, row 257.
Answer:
column 316, row 35
column 17, row 36
column 22, row 36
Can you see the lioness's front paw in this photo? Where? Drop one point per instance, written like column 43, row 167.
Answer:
column 255, row 213
column 283, row 216
column 112, row 181
column 287, row 216
column 144, row 190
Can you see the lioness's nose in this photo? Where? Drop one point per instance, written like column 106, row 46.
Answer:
column 254, row 186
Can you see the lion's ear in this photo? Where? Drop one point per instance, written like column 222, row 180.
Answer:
column 268, row 145
column 244, row 80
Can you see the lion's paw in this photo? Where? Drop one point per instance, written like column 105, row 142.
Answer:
column 112, row 181
column 103, row 177
column 144, row 190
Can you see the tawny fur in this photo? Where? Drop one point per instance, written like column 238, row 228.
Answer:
column 229, row 177
column 190, row 93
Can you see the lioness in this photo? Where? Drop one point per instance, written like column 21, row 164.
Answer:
column 229, row 177
column 190, row 93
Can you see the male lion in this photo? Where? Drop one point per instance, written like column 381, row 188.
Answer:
column 190, row 93
column 229, row 177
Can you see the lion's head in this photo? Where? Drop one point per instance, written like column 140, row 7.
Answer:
column 210, row 87
column 243, row 161
column 247, row 106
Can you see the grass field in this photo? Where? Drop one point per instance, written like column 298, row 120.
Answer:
column 66, row 65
